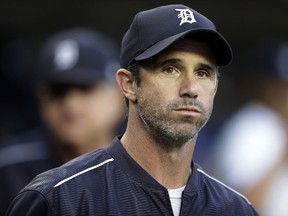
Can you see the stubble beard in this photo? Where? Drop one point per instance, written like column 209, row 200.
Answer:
column 167, row 132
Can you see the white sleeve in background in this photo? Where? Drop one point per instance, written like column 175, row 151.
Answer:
column 276, row 197
column 250, row 144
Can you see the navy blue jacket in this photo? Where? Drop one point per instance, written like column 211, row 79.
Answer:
column 22, row 158
column 110, row 182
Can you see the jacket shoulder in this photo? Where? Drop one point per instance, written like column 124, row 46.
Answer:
column 224, row 197
column 78, row 167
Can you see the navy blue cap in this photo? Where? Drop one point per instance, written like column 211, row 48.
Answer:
column 78, row 56
column 154, row 30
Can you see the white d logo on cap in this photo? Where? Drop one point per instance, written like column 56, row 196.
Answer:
column 66, row 55
column 186, row 16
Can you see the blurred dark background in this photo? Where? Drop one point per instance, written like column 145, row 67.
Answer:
column 25, row 24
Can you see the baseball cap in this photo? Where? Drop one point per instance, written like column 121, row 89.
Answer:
column 77, row 56
column 154, row 30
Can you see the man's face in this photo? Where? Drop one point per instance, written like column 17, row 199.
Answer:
column 176, row 92
column 77, row 114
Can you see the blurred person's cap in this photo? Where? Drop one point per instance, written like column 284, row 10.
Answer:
column 268, row 58
column 154, row 30
column 77, row 56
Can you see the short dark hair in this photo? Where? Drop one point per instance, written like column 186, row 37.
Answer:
column 135, row 68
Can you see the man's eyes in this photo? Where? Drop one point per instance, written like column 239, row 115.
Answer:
column 203, row 73
column 170, row 69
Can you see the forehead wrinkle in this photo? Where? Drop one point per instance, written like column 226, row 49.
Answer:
column 173, row 54
column 174, row 57
column 196, row 47
column 167, row 61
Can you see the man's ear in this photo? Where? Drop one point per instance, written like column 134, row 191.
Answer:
column 126, row 82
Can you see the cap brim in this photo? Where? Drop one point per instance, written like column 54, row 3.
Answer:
column 218, row 44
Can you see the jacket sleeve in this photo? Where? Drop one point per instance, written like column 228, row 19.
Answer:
column 29, row 203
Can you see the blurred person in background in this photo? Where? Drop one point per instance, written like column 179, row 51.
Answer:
column 80, row 104
column 251, row 148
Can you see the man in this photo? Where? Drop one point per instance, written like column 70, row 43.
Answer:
column 80, row 103
column 169, row 61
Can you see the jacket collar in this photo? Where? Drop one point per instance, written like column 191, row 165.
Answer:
column 129, row 166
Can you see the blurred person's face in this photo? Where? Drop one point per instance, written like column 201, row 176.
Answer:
column 79, row 115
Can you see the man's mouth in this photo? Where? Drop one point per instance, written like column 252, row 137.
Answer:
column 188, row 110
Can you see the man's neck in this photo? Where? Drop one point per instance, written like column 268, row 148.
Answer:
column 170, row 168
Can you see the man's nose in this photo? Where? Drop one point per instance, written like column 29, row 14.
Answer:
column 189, row 87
